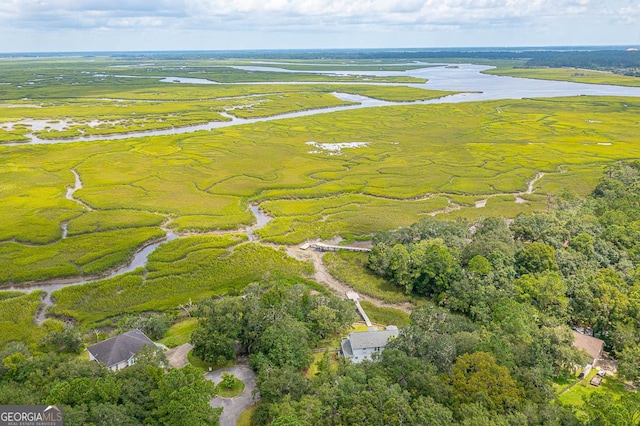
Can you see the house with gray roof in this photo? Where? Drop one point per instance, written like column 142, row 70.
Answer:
column 119, row 352
column 591, row 345
column 361, row 345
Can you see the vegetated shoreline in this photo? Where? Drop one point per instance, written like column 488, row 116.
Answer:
column 521, row 72
column 262, row 219
column 233, row 120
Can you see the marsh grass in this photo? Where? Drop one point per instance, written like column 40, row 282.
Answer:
column 385, row 316
column 417, row 159
column 87, row 254
column 17, row 318
column 351, row 269
column 576, row 75
column 180, row 272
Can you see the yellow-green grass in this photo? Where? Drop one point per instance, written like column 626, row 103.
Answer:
column 384, row 315
column 574, row 396
column 301, row 66
column 501, row 206
column 180, row 333
column 169, row 108
column 417, row 158
column 16, row 135
column 235, row 390
column 287, row 102
column 228, row 95
column 223, row 74
column 98, row 221
column 178, row 273
column 346, row 215
column 87, row 254
column 577, row 75
column 393, row 93
column 245, row 417
column 17, row 316
column 207, row 366
column 317, row 357
column 351, row 269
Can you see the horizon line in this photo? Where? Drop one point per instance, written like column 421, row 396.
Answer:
column 334, row 49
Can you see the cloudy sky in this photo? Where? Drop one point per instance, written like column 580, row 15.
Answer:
column 99, row 25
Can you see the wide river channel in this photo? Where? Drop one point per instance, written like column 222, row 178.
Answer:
column 464, row 78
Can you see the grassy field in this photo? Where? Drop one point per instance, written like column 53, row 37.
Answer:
column 408, row 161
column 385, row 316
column 412, row 160
column 16, row 318
column 179, row 272
column 86, row 254
column 180, row 333
column 573, row 394
column 245, row 417
column 351, row 269
column 576, row 75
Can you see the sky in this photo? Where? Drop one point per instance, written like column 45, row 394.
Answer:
column 129, row 25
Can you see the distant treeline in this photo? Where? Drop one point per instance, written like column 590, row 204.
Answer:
column 601, row 59
column 386, row 54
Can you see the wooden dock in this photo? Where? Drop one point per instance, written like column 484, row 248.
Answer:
column 352, row 295
column 328, row 247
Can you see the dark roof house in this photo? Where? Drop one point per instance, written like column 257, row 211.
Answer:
column 591, row 345
column 119, row 352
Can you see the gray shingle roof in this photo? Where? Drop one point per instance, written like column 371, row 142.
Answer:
column 346, row 348
column 371, row 339
column 119, row 348
column 591, row 345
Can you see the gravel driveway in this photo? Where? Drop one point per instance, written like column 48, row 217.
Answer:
column 233, row 407
column 177, row 357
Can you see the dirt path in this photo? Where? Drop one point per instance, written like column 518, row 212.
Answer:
column 324, row 277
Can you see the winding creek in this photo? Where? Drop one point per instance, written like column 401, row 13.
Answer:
column 139, row 260
column 467, row 79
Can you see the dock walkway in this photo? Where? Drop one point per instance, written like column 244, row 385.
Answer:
column 352, row 295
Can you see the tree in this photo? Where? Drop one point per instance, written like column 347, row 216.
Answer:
column 183, row 397
column 219, row 328
column 629, row 363
column 535, row 258
column 286, row 343
column 478, row 378
column 228, row 380
column 67, row 339
column 437, row 269
column 546, row 292
column 603, row 409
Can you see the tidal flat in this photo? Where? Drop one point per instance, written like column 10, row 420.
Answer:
column 460, row 156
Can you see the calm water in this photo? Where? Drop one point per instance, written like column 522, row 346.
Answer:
column 463, row 78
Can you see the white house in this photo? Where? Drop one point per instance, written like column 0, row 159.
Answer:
column 119, row 352
column 361, row 345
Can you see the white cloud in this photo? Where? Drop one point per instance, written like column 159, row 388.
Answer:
column 208, row 24
column 281, row 14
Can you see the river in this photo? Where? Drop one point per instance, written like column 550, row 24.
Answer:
column 462, row 78
column 465, row 78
